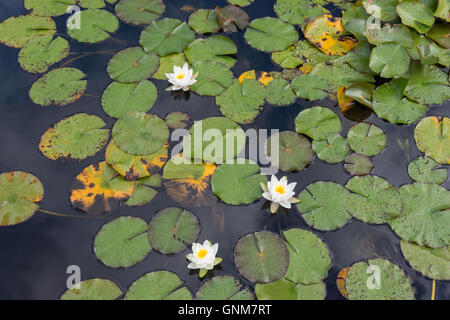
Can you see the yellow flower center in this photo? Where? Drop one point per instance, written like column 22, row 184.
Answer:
column 202, row 253
column 180, row 76
column 280, row 189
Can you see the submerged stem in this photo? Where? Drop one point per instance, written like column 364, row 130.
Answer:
column 68, row 215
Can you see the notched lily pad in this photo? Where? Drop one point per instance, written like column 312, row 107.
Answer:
column 232, row 18
column 389, row 60
column 204, row 21
column 298, row 11
column 93, row 289
column 137, row 12
column 48, row 8
column 424, row 169
column 358, row 165
column 432, row 136
column 177, row 120
column 96, row 26
column 366, row 139
column 316, row 122
column 213, row 78
column 279, row 92
column 284, row 289
column 223, row 288
column 215, row 48
column 332, row 150
column 309, row 86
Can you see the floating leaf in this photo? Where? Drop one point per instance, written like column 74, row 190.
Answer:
column 120, row 98
column 432, row 263
column 373, row 199
column 166, row 36
column 262, row 76
column 141, row 196
column 325, row 32
column 442, row 10
column 389, row 60
column 215, row 48
column 242, row 103
column 366, row 139
column 17, row 31
column 94, row 4
column 96, row 26
column 395, row 284
column 279, row 92
column 232, row 18
column 432, row 136
column 214, row 139
column 93, row 289
column 390, row 104
column 167, row 63
column 340, row 281
column 132, row 65
column 133, row 167
column 439, row 33
column 238, row 183
column 309, row 258
column 396, row 33
column 122, row 242
column 241, row 3
column 297, row 11
column 213, row 78
column 350, row 107
column 48, row 8
column 223, row 288
column 301, row 52
column 358, row 165
column 138, row 12
column 425, row 219
column 361, row 92
column 321, row 206
column 270, row 34
column 19, row 194
column 424, row 169
column 75, row 137
column 172, row 230
column 42, row 52
column 284, row 289
column 332, row 150
column 316, row 122
column 416, row 14
column 204, row 21
column 150, row 287
column 310, row 87
column 99, row 188
column 59, row 86
column 139, row 133
column 289, row 151
column 177, row 120
column 385, row 10
column 355, row 21
column 261, row 257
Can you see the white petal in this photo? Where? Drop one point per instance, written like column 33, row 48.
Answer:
column 267, row 196
column 291, row 185
column 215, row 247
column 192, row 265
column 273, row 181
column 286, row 204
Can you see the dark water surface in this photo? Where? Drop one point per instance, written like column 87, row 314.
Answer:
column 34, row 255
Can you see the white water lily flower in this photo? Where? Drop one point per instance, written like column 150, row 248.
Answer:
column 203, row 256
column 181, row 78
column 279, row 192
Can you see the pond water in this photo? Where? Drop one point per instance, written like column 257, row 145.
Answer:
column 34, row 255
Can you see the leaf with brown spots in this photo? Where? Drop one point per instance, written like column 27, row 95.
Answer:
column 262, row 76
column 340, row 281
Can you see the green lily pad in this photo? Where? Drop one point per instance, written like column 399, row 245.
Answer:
column 427, row 85
column 167, row 63
column 395, row 284
column 390, row 104
column 139, row 133
column 358, row 165
column 301, row 52
column 321, row 206
column 133, row 167
column 287, row 290
column 385, row 10
column 332, row 150
column 432, row 263
column 361, row 92
column 223, row 288
column 316, row 122
column 355, row 21
column 48, row 8
column 19, row 194
column 294, row 151
column 242, row 102
column 279, row 93
column 173, row 229
column 94, row 4
column 93, row 289
column 132, row 65
column 138, row 12
column 366, row 139
column 214, row 139
column 215, row 48
column 439, row 34
column 425, row 219
column 270, row 34
column 75, row 137
column 166, row 36
column 241, row 3
column 96, row 26
column 42, row 52
column 238, row 183
column 120, row 98
column 177, row 120
column 261, row 257
column 59, row 86
column 297, row 11
column 122, row 242
column 213, row 78
column 309, row 258
column 311, row 87
column 424, row 169
column 232, row 18
column 432, row 136
column 373, row 199
column 389, row 60
column 141, row 196
column 149, row 287
column 416, row 14
column 17, row 31
column 442, row 10
column 396, row 33
column 204, row 21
